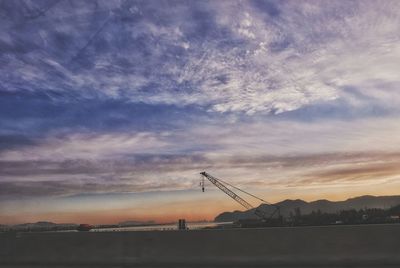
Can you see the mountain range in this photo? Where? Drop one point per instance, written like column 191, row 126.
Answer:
column 289, row 206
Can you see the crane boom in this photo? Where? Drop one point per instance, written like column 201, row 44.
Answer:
column 221, row 185
column 225, row 189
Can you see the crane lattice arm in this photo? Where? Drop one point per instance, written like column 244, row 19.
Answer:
column 236, row 197
column 225, row 189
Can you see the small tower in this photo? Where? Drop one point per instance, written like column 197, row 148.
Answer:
column 182, row 224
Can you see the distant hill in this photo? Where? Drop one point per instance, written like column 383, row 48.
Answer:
column 42, row 225
column 288, row 206
column 37, row 224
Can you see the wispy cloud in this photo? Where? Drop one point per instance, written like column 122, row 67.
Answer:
column 90, row 146
column 228, row 56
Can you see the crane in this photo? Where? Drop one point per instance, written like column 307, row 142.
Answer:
column 222, row 185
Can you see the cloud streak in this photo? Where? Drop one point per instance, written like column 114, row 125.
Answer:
column 150, row 173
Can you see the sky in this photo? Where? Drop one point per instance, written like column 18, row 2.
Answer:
column 110, row 109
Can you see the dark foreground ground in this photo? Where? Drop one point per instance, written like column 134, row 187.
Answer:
column 328, row 246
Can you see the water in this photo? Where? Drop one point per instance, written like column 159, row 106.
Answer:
column 162, row 227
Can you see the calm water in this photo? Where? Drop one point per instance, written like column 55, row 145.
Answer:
column 191, row 226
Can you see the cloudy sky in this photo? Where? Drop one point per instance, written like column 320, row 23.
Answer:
column 110, row 109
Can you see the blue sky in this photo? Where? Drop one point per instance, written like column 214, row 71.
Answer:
column 292, row 99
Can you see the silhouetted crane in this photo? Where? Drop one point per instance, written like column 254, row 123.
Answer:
column 222, row 186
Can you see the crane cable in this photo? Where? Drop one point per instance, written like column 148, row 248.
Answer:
column 277, row 208
column 243, row 191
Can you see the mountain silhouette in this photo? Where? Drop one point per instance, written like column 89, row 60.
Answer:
column 289, row 206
